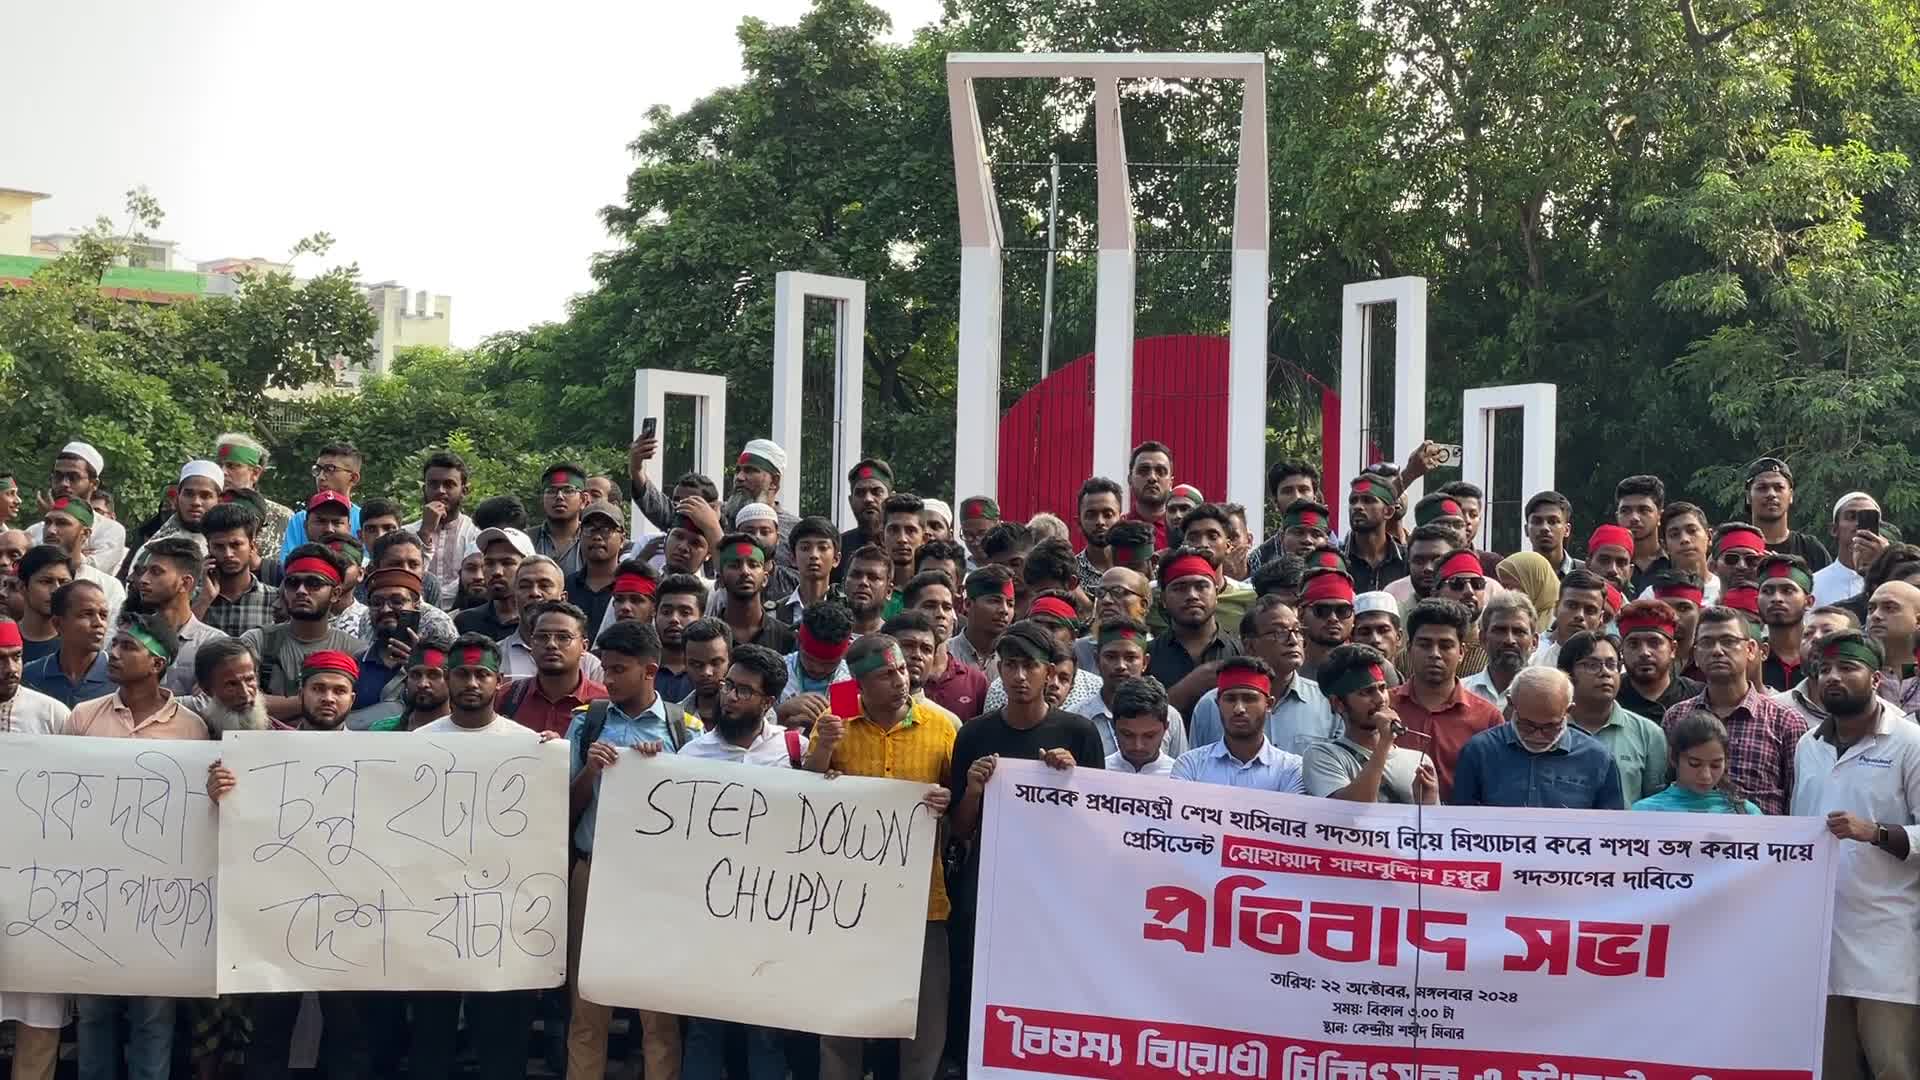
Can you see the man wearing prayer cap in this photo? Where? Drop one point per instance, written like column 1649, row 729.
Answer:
column 757, row 475
column 1854, row 550
column 76, row 473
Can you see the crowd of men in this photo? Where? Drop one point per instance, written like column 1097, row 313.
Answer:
column 1681, row 664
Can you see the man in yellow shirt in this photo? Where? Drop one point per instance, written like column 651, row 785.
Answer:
column 899, row 738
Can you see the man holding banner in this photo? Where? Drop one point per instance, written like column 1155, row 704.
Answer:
column 899, row 738
column 37, row 1017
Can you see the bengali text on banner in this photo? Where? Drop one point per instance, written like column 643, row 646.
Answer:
column 1133, row 928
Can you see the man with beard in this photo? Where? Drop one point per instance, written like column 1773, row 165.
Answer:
column 1507, row 630
column 676, row 605
column 393, row 601
column 1860, row 769
column 635, row 584
column 869, row 484
column 1362, row 763
column 1427, row 546
column 1582, row 606
column 1549, row 517
column 77, row 671
column 761, row 524
column 1770, row 504
column 744, row 565
column 1822, row 623
column 1592, row 662
column 563, row 494
column 1099, row 511
column 502, row 551
column 1326, row 611
column 401, row 550
column 948, row 681
column 1610, row 555
column 1761, row 732
column 1374, row 559
column 238, row 600
column 75, row 475
column 987, row 614
column 423, row 694
column 307, row 588
column 1461, row 580
column 1536, row 758
column 1637, row 504
column 1150, row 483
column 195, row 493
column 1298, row 715
column 563, row 680
column 814, row 551
column 1649, row 637
column 1130, row 543
column 24, row 710
column 1681, row 591
column 709, row 651
column 1786, row 591
column 869, row 585
column 817, row 662
column 1433, row 702
column 1122, row 658
column 1243, row 757
column 1187, row 658
column 165, row 586
column 757, row 476
column 13, row 547
column 68, row 525
column 42, row 571
column 441, row 526
column 979, row 516
column 227, row 689
column 603, row 536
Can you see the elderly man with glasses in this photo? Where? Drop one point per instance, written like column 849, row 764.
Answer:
column 1536, row 758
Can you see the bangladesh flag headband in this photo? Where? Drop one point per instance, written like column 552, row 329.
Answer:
column 238, row 455
column 1356, row 679
column 874, row 661
column 148, row 641
column 743, row 552
column 474, row 656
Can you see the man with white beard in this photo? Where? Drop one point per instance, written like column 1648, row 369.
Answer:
column 227, row 684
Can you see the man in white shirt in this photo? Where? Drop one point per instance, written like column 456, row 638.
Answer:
column 473, row 680
column 1122, row 657
column 443, row 529
column 1854, row 550
column 1509, row 632
column 1860, row 769
column 744, row 731
column 76, row 472
column 1140, row 722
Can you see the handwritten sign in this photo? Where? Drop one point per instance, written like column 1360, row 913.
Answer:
column 107, row 863
column 382, row 861
column 1213, row 931
column 768, row 896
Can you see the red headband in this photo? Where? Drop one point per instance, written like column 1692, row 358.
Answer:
column 1742, row 540
column 1327, row 586
column 1186, row 566
column 1745, row 598
column 1610, row 536
column 826, row 652
column 10, row 636
column 634, row 583
column 1650, row 620
column 313, row 565
column 1681, row 591
column 1461, row 563
column 1615, row 598
column 329, row 660
column 1236, row 677
column 1054, row 606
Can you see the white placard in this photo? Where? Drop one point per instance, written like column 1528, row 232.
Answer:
column 759, row 894
column 108, row 853
column 390, row 861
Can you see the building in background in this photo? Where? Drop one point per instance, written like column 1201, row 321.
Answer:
column 16, row 220
column 428, row 320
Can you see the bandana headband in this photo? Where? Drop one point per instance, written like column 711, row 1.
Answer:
column 1244, row 678
column 329, row 662
column 743, row 553
column 634, row 583
column 1610, row 536
column 558, row 477
column 10, row 636
column 148, row 641
column 313, row 565
column 1852, row 648
column 1459, row 564
column 1125, row 553
column 979, row 508
column 229, row 453
column 827, row 652
column 1306, row 519
column 1681, row 591
column 1742, row 540
column 1356, row 679
column 474, row 656
column 878, row 660
column 428, row 656
column 1782, row 570
column 1118, row 633
column 76, row 509
column 1186, row 566
column 1331, row 560
column 7, row 483
column 1638, row 624
column 1054, row 607
column 1745, row 599
column 978, row 587
column 1327, row 586
column 1374, row 486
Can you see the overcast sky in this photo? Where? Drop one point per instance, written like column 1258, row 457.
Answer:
column 463, row 148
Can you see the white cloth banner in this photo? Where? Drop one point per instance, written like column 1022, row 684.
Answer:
column 1135, row 927
column 759, row 894
column 386, row 861
column 108, row 852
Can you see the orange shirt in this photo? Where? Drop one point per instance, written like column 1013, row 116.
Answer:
column 109, row 717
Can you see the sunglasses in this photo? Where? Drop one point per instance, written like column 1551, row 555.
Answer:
column 1331, row 611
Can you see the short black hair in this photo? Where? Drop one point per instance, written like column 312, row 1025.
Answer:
column 100, row 494
column 906, row 622
column 1439, row 611
column 1641, row 484
column 703, row 483
column 1584, row 580
column 1099, row 485
column 1554, row 497
column 1207, row 511
column 183, row 553
column 1281, row 575
column 208, row 658
column 1346, row 658
column 828, row 621
column 1284, row 468
column 1718, row 613
column 1052, row 560
column 381, row 506
column 1580, row 646
column 1674, row 511
column 1250, row 622
column 558, row 607
column 41, row 556
column 924, row 580
column 1140, row 695
column 342, row 449
column 63, row 596
column 813, row 527
column 1025, row 638
column 870, row 553
column 1433, row 530
column 765, row 663
column 394, row 539
column 682, row 584
column 940, row 551
column 500, row 512
column 708, row 629
column 902, row 502
column 1151, row 446
column 1006, row 538
column 230, row 517
column 631, row 637
column 1128, row 533
column 445, row 459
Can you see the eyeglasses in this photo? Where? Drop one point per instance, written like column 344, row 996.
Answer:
column 1741, row 558
column 1468, row 582
column 1119, row 592
column 1599, row 663
column 393, row 603
column 1331, row 611
column 1284, row 633
column 554, row 637
column 324, row 470
column 305, row 583
column 563, row 490
column 1540, row 727
column 1720, row 643
column 738, row 690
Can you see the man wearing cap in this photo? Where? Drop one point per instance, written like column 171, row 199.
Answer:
column 76, row 473
column 68, row 524
column 1860, row 770
column 1376, row 622
column 603, row 536
column 1854, row 550
column 757, row 476
column 1610, row 555
column 1150, row 486
column 1243, row 757
column 1099, row 512
column 501, row 550
column 1761, row 732
column 401, row 550
column 307, row 587
column 1297, row 712
column 979, row 515
column 761, row 523
column 197, row 491
column 937, row 518
column 167, row 581
column 1187, row 658
column 393, row 599
column 1770, row 504
column 1363, row 763
column 1786, row 592
column 1549, row 522
column 1373, row 557
column 336, row 468
column 1537, row 758
column 243, row 462
column 23, row 709
column 1326, row 616
column 744, row 565
column 330, row 516
column 1649, row 646
column 1123, row 658
column 1432, row 701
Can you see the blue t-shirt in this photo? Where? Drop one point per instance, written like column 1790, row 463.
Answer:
column 622, row 731
column 296, row 533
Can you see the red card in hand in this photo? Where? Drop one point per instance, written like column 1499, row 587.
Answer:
column 843, row 698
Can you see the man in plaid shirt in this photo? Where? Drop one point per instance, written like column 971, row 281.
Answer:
column 1761, row 733
column 240, row 601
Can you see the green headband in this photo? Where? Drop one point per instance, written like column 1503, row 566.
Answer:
column 1775, row 569
column 479, row 656
column 1853, row 648
column 568, row 477
column 7, row 484
column 743, row 552
column 235, row 454
column 877, row 660
column 1120, row 633
column 1369, row 484
column 77, row 509
column 152, row 644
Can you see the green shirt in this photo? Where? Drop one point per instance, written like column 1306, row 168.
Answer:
column 1639, row 748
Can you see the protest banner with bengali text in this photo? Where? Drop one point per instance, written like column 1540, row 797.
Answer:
column 388, row 861
column 108, row 856
column 1136, row 927
column 767, row 895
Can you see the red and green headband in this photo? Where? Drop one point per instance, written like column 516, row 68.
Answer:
column 563, row 477
column 1778, row 569
column 1355, row 679
column 758, row 462
column 1243, row 678
column 485, row 657
column 1853, row 647
column 1330, row 560
column 1052, row 607
column 1436, row 506
column 745, row 551
column 1369, row 484
column 427, row 656
column 980, row 585
column 877, row 660
column 1118, row 633
column 1305, row 517
column 827, row 652
column 980, row 508
column 634, row 583
column 312, row 564
column 7, row 483
column 235, row 454
column 1644, row 621
column 77, row 509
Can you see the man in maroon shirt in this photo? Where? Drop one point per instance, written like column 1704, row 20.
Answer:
column 1432, row 702
column 546, row 701
column 950, row 682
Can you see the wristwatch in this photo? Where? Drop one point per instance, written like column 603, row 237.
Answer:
column 1880, row 837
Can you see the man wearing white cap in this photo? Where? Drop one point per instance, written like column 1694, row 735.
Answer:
column 76, row 472
column 197, row 491
column 936, row 517
column 757, row 475
column 1855, row 550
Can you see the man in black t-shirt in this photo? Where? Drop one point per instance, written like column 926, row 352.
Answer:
column 1769, row 504
column 1025, row 728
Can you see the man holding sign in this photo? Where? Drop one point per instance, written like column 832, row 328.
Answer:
column 898, row 738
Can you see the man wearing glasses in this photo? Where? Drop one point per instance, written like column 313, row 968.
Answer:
column 1298, row 715
column 1761, row 733
column 1121, row 594
column 1639, row 748
column 1535, row 758
column 313, row 575
column 561, row 683
column 1433, row 702
column 1461, row 580
column 563, row 495
column 336, row 468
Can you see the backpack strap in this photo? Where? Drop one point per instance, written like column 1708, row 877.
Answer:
column 271, row 639
column 594, row 724
column 677, row 733
column 794, row 750
column 516, row 697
